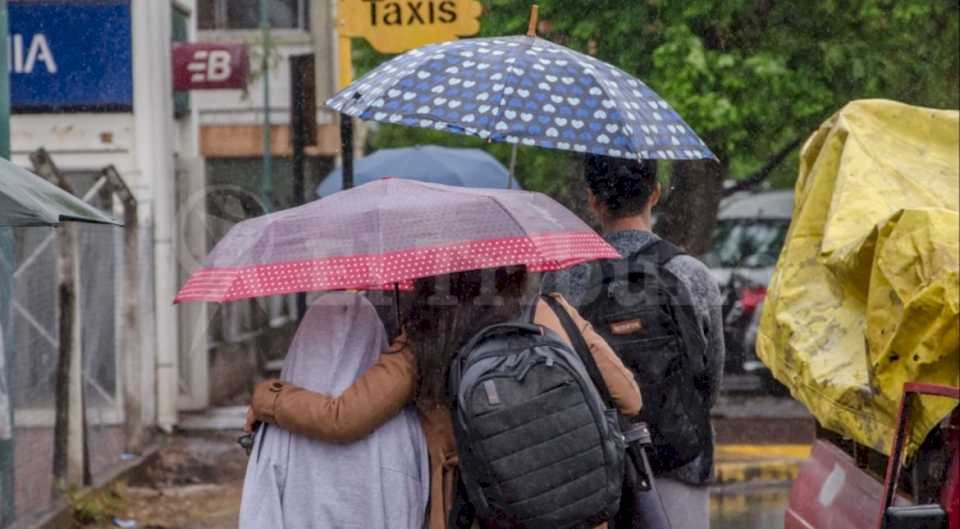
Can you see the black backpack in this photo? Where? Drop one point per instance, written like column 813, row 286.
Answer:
column 645, row 314
column 539, row 442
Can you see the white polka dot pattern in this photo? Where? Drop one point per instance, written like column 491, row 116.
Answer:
column 379, row 271
column 523, row 90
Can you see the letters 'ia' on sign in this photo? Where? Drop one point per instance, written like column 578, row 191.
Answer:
column 394, row 26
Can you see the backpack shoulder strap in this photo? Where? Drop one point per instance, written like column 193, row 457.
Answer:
column 581, row 348
column 529, row 313
column 656, row 252
column 660, row 251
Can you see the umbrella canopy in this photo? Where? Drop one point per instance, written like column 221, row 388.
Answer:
column 392, row 231
column 28, row 200
column 426, row 163
column 523, row 90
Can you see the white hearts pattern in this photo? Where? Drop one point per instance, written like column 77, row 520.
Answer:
column 505, row 89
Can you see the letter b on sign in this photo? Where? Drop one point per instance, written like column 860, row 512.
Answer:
column 218, row 66
column 209, row 66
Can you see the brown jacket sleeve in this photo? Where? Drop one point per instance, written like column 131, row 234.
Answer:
column 620, row 381
column 373, row 399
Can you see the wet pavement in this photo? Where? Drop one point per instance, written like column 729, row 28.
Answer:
column 195, row 482
column 749, row 507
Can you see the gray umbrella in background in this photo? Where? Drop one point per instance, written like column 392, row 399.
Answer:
column 28, row 200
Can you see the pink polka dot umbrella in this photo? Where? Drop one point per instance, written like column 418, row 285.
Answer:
column 391, row 232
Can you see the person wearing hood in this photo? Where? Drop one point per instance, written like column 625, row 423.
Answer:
column 381, row 480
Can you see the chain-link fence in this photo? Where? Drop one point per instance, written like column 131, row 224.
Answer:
column 30, row 296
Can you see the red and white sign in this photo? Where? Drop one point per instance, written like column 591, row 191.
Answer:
column 200, row 66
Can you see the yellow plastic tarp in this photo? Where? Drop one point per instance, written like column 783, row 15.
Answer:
column 865, row 294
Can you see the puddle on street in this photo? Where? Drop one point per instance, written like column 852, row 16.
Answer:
column 749, row 508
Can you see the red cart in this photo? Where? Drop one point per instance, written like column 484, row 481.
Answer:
column 840, row 487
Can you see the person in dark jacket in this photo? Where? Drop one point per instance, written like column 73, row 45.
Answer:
column 622, row 193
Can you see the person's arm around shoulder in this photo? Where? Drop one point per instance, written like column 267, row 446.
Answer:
column 619, row 379
column 373, row 399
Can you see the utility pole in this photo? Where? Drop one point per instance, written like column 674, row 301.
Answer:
column 266, row 182
column 303, row 131
column 344, row 78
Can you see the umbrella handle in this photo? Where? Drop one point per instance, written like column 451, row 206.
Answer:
column 396, row 306
column 534, row 14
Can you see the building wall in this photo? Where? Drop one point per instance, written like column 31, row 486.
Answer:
column 221, row 132
column 243, row 336
column 216, row 351
column 77, row 141
column 81, row 143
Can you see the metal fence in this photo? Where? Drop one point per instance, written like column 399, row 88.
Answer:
column 30, row 297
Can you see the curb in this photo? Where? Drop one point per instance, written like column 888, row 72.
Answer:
column 60, row 514
column 759, row 463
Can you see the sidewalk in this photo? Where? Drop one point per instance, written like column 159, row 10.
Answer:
column 194, row 482
column 195, row 479
column 761, row 439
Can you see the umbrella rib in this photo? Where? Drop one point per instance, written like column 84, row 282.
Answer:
column 594, row 73
column 357, row 107
column 634, row 136
column 528, row 42
column 386, row 186
column 510, row 214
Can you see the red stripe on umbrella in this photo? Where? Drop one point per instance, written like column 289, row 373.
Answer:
column 375, row 272
column 297, row 250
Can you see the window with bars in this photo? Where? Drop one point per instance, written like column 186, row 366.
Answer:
column 245, row 14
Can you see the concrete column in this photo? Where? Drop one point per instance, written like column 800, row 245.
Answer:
column 154, row 153
column 194, row 317
column 322, row 27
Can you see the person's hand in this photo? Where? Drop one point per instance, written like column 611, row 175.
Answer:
column 399, row 343
column 264, row 401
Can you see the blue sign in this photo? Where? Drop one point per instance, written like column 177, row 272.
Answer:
column 70, row 55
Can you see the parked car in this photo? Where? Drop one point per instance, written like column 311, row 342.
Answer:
column 750, row 231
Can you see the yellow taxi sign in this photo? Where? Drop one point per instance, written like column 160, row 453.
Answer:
column 395, row 26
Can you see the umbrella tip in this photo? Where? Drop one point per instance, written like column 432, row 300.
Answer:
column 534, row 14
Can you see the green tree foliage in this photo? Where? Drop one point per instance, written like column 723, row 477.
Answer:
column 750, row 76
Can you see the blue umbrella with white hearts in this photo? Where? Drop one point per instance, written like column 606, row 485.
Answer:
column 523, row 90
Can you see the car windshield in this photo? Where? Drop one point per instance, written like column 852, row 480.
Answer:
column 746, row 243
